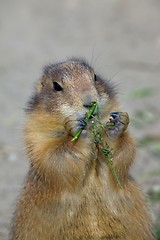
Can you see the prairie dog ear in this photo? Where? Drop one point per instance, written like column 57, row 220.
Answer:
column 38, row 86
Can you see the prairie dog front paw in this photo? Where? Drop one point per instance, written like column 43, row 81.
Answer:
column 117, row 124
column 73, row 125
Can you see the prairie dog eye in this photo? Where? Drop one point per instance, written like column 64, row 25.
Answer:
column 95, row 77
column 57, row 87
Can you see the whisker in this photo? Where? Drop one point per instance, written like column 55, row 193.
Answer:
column 116, row 73
column 92, row 55
column 93, row 58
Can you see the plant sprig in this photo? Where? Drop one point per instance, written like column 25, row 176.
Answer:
column 109, row 156
column 97, row 130
column 89, row 114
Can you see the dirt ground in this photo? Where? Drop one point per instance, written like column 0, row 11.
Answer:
column 121, row 39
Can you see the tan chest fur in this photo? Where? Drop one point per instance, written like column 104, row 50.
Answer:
column 94, row 212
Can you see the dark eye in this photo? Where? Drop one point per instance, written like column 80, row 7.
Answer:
column 95, row 77
column 57, row 87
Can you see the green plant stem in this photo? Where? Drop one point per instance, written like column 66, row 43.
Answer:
column 89, row 114
column 108, row 155
column 114, row 173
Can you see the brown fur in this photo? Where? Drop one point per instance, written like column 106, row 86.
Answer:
column 70, row 192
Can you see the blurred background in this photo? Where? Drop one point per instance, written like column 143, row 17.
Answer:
column 121, row 39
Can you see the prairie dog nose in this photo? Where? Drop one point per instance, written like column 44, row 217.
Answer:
column 88, row 101
column 89, row 104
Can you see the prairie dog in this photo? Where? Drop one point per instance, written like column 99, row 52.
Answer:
column 70, row 192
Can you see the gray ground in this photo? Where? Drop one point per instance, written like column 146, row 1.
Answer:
column 120, row 38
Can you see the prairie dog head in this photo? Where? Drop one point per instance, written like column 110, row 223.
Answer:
column 70, row 88
column 58, row 108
